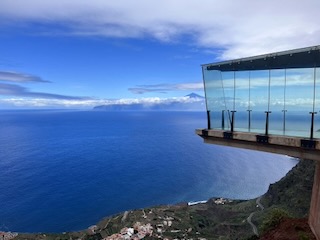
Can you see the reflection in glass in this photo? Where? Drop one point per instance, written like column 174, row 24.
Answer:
column 288, row 97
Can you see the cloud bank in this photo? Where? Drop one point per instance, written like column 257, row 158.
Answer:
column 15, row 90
column 7, row 89
column 231, row 28
column 90, row 103
column 23, row 97
column 19, row 77
column 164, row 88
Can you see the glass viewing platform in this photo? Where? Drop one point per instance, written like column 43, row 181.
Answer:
column 268, row 103
column 275, row 94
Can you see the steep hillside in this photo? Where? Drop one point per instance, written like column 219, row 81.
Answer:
column 291, row 197
column 292, row 192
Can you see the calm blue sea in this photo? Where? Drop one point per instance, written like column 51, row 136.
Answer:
column 66, row 170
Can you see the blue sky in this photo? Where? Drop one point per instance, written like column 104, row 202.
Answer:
column 79, row 54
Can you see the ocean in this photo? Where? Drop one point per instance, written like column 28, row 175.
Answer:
column 66, row 170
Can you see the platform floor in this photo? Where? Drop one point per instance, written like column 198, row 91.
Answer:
column 299, row 147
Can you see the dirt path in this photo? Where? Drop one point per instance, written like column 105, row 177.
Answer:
column 125, row 215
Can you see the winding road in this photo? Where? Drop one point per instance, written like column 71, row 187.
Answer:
column 259, row 203
column 249, row 219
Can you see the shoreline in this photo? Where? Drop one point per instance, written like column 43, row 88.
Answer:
column 91, row 230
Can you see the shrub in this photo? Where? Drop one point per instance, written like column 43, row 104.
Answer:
column 273, row 219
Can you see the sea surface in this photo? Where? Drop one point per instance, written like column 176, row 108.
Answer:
column 66, row 170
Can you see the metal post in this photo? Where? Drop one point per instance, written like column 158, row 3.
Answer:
column 208, row 119
column 222, row 119
column 312, row 124
column 249, row 119
column 284, row 120
column 267, row 122
column 232, row 120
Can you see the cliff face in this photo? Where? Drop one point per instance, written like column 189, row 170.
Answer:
column 292, row 192
column 292, row 195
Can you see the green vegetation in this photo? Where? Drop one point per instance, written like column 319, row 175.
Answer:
column 273, row 219
column 291, row 194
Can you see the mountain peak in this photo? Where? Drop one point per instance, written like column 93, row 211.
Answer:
column 194, row 95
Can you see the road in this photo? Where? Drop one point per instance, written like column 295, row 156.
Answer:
column 249, row 219
column 254, row 227
column 259, row 203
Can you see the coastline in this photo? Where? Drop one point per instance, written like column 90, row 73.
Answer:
column 202, row 220
column 155, row 221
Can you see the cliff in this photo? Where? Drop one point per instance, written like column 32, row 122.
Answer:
column 292, row 192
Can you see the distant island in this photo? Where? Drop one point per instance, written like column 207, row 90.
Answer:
column 190, row 102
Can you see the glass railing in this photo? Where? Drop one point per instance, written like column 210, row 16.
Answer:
column 280, row 101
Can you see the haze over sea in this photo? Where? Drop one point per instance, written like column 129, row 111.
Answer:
column 66, row 170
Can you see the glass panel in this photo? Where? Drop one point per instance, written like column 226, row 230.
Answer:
column 242, row 101
column 228, row 83
column 259, row 88
column 317, row 106
column 214, row 96
column 277, row 107
column 299, row 101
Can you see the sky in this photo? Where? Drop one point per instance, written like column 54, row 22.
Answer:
column 79, row 53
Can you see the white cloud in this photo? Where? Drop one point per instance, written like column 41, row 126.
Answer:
column 45, row 102
column 90, row 103
column 164, row 88
column 236, row 28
